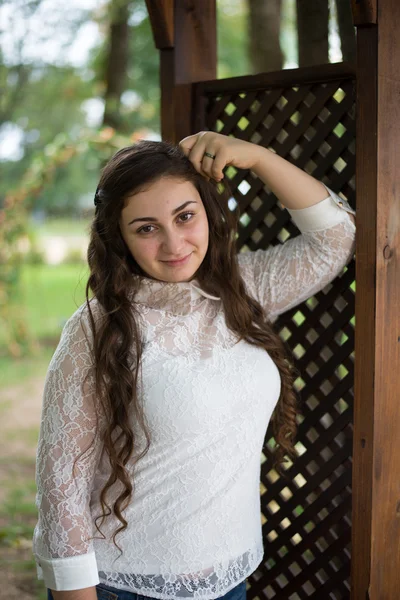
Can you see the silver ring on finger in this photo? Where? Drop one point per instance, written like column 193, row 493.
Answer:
column 209, row 155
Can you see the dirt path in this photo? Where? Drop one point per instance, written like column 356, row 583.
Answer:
column 20, row 409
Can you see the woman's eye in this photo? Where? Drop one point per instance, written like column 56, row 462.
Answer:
column 185, row 215
column 142, row 230
column 146, row 227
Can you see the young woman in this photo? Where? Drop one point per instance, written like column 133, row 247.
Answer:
column 159, row 394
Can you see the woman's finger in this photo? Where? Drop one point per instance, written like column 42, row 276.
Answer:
column 195, row 146
column 187, row 143
column 197, row 154
column 207, row 163
column 218, row 164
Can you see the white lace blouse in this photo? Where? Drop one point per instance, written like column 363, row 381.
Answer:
column 194, row 524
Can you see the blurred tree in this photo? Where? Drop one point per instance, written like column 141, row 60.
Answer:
column 312, row 28
column 42, row 95
column 273, row 26
column 232, row 38
column 264, row 28
column 125, row 66
column 13, row 81
column 117, row 61
column 347, row 31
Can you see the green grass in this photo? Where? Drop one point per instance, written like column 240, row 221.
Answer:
column 18, row 517
column 31, row 436
column 49, row 296
column 19, row 513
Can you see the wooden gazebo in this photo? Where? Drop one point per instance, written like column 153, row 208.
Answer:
column 332, row 528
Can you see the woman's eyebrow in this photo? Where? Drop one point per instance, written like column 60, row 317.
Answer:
column 176, row 210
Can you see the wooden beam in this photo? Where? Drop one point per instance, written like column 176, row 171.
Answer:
column 376, row 464
column 161, row 14
column 385, row 562
column 365, row 302
column 195, row 40
column 365, row 12
column 190, row 57
column 280, row 79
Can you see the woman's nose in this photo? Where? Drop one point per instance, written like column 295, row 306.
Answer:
column 172, row 244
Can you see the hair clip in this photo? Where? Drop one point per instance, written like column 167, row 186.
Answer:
column 97, row 197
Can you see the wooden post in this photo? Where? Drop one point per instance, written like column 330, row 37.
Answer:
column 185, row 33
column 376, row 461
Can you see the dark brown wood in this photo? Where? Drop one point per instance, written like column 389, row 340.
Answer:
column 286, row 78
column 192, row 58
column 195, row 41
column 385, row 559
column 366, row 185
column 365, row 12
column 176, row 112
column 161, row 14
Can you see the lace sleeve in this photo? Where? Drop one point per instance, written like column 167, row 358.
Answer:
column 63, row 552
column 285, row 275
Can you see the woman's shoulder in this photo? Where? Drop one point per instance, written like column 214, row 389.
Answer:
column 246, row 261
column 245, row 258
column 79, row 323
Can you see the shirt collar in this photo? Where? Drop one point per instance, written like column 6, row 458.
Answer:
column 180, row 298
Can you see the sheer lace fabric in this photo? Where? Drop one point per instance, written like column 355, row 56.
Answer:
column 194, row 525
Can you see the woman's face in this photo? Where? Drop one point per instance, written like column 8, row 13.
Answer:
column 164, row 223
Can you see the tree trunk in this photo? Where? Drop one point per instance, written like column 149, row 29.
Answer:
column 264, row 25
column 346, row 30
column 312, row 27
column 116, row 62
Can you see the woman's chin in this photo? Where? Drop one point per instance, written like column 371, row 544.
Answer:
column 178, row 277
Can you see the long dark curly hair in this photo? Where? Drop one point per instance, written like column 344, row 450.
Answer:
column 117, row 345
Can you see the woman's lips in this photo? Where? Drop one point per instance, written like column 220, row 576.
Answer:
column 177, row 263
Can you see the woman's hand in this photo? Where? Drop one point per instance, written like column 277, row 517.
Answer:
column 227, row 151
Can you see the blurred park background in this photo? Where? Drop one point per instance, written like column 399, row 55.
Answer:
column 78, row 80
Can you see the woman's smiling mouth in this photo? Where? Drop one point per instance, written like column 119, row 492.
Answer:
column 177, row 263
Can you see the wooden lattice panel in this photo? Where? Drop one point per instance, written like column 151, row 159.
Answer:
column 307, row 516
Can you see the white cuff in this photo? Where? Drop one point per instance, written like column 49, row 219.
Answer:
column 323, row 215
column 65, row 574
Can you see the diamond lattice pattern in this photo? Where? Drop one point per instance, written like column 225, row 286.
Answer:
column 306, row 516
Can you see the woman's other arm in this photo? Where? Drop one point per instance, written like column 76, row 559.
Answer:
column 68, row 453
column 293, row 187
column 287, row 274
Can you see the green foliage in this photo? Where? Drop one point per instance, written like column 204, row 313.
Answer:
column 14, row 221
column 50, row 106
column 232, row 38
